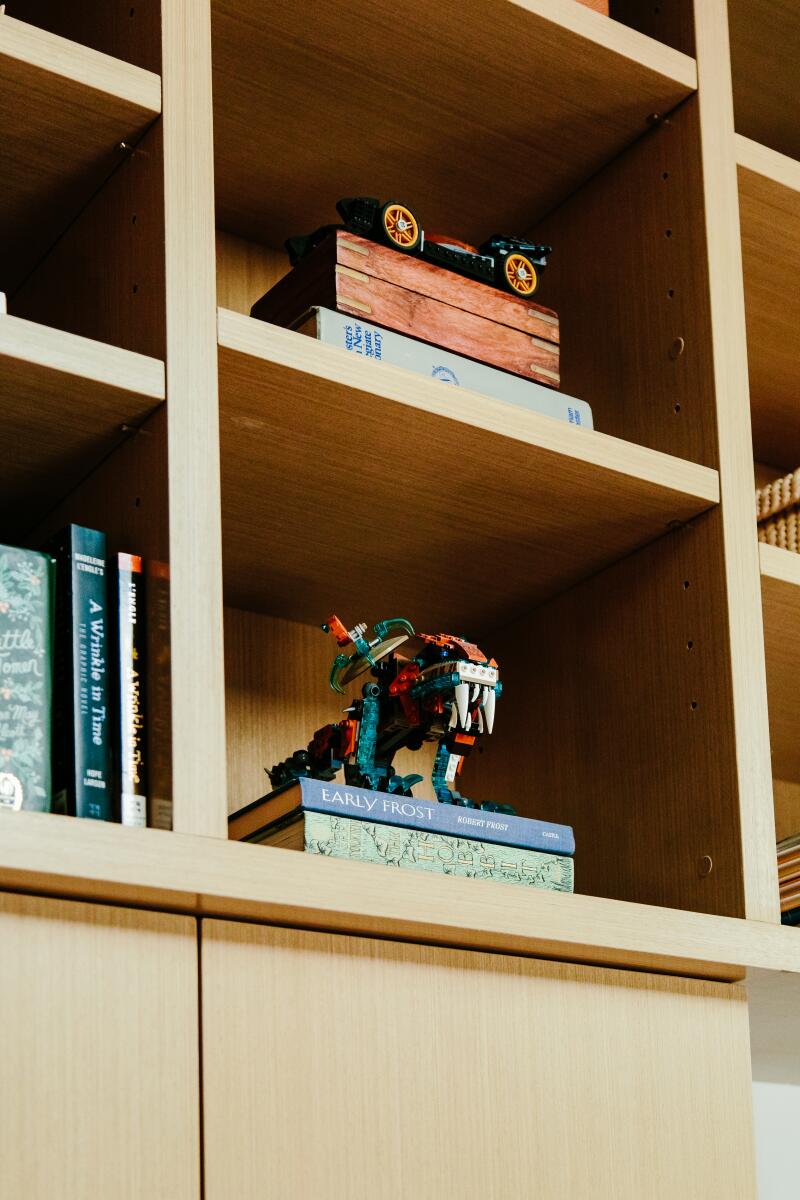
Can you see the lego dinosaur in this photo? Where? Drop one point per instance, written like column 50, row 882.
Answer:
column 440, row 688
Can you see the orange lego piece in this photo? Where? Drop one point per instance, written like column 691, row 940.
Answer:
column 335, row 626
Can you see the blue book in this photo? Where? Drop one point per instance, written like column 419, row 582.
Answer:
column 314, row 795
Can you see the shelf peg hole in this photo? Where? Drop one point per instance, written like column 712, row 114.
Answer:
column 677, row 348
column 135, row 288
column 690, row 645
column 677, row 408
column 705, row 866
column 693, row 705
column 685, row 584
column 137, row 502
column 667, row 233
column 670, row 292
column 133, row 219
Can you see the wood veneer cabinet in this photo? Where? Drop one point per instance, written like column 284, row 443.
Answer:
column 166, row 152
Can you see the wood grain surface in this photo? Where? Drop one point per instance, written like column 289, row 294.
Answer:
column 780, row 589
column 734, row 435
column 99, row 1050
column 769, row 208
column 64, row 402
column 64, row 139
column 474, row 508
column 765, row 48
column 97, row 860
column 562, row 91
column 616, row 1085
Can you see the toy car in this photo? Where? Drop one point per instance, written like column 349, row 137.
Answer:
column 509, row 263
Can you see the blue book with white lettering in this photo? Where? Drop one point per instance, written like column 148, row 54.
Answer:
column 258, row 820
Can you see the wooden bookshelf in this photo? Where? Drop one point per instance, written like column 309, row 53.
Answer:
column 67, row 403
column 769, row 203
column 765, row 45
column 215, row 878
column 780, row 586
column 80, row 109
column 540, row 129
column 293, row 473
column 615, row 573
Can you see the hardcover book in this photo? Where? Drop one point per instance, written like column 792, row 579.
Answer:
column 416, row 849
column 158, row 696
column 256, row 821
column 82, row 768
column 384, row 345
column 373, row 282
column 26, row 678
column 130, row 675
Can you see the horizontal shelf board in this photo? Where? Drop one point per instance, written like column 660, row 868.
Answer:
column 780, row 594
column 765, row 50
column 345, row 479
column 63, row 401
column 535, row 95
column 67, row 109
column 96, row 860
column 769, row 206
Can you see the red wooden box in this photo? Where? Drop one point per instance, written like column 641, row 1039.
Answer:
column 422, row 300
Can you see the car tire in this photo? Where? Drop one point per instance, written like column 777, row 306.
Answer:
column 518, row 275
column 400, row 229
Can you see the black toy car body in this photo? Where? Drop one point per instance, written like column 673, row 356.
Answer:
column 509, row 263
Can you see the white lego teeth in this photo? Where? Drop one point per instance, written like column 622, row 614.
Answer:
column 453, row 716
column 462, row 702
column 476, row 691
column 480, row 721
column 489, row 699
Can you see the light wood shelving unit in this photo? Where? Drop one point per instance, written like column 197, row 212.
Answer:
column 166, row 151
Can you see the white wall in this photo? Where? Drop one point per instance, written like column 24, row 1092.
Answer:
column 776, row 1117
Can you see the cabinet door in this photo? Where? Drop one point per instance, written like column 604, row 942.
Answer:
column 339, row 1067
column 99, row 1056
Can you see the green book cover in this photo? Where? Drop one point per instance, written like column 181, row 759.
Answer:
column 397, row 846
column 26, row 678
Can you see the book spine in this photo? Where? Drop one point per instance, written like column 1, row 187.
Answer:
column 792, row 917
column 158, row 700
column 26, row 678
column 396, row 846
column 131, row 667
column 450, row 819
column 83, row 760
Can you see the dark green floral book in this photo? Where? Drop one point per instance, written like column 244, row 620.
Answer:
column 26, row 678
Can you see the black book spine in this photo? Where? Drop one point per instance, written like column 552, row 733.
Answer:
column 131, row 667
column 82, row 749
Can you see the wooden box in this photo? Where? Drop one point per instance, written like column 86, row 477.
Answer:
column 420, row 299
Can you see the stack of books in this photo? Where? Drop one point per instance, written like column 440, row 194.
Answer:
column 343, row 821
column 789, row 879
column 378, row 303
column 73, row 720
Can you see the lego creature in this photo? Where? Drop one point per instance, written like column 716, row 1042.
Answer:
column 444, row 690
column 509, row 263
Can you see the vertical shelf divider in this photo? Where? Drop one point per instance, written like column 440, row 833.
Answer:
column 198, row 700
column 715, row 95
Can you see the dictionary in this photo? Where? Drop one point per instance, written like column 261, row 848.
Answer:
column 257, row 821
column 418, row 849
